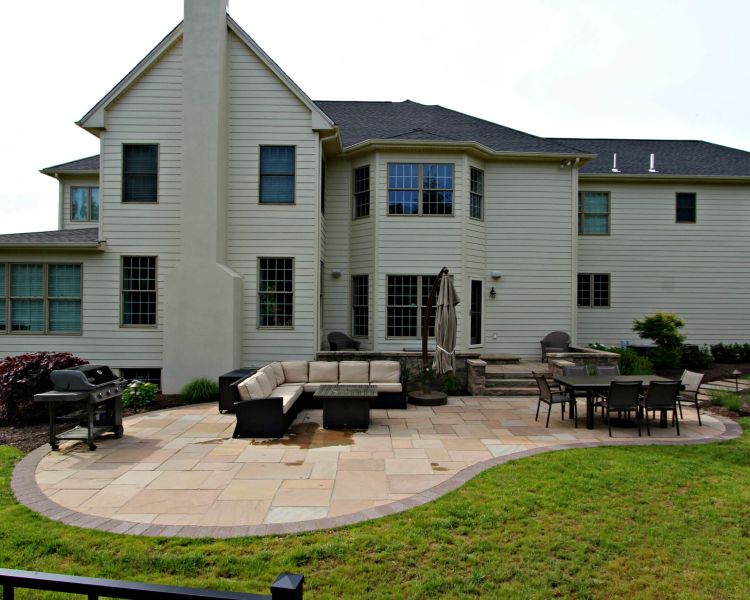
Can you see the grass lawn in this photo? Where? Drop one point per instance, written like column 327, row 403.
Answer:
column 640, row 522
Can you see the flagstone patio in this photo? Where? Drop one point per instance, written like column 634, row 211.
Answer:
column 179, row 472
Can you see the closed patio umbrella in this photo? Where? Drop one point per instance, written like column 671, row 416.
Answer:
column 445, row 327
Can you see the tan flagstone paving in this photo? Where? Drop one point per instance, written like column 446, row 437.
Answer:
column 181, row 467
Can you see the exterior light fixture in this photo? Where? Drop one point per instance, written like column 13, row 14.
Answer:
column 493, row 293
column 335, row 273
column 496, row 274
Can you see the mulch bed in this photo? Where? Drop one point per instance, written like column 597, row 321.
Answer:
column 30, row 437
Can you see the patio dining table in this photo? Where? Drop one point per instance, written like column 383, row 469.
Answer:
column 591, row 384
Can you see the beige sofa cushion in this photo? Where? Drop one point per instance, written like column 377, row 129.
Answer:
column 295, row 371
column 312, row 386
column 278, row 372
column 251, row 388
column 266, row 384
column 388, row 387
column 354, row 371
column 323, row 371
column 242, row 390
column 289, row 392
column 385, row 371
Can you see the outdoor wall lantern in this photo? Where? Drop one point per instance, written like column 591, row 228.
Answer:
column 493, row 293
column 335, row 273
column 496, row 274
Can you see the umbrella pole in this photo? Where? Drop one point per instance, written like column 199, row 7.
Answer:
column 426, row 316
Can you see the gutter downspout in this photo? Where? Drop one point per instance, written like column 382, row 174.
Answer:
column 574, row 253
column 60, row 201
column 319, row 329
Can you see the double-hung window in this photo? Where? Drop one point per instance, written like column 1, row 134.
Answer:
column 593, row 290
column 420, row 189
column 84, row 204
column 276, row 292
column 138, row 291
column 362, row 192
column 406, row 304
column 40, row 298
column 277, row 174
column 140, row 172
column 685, row 211
column 476, row 194
column 360, row 305
column 593, row 213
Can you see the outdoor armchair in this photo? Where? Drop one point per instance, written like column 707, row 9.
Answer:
column 692, row 385
column 557, row 341
column 661, row 395
column 622, row 397
column 338, row 340
column 550, row 397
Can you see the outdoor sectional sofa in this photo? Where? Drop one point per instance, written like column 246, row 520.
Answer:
column 267, row 402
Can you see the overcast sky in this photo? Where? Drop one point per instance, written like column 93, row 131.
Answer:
column 569, row 68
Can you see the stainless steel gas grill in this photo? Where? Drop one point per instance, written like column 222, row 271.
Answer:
column 96, row 392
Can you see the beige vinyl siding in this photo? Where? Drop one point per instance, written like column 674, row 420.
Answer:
column 337, row 300
column 699, row 271
column 529, row 232
column 415, row 245
column 474, row 252
column 262, row 111
column 149, row 113
column 68, row 182
column 101, row 340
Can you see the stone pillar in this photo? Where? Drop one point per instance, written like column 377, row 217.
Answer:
column 476, row 379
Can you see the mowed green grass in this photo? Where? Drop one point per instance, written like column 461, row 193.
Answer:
column 641, row 522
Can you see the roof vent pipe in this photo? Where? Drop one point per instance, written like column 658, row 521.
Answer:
column 651, row 168
column 614, row 163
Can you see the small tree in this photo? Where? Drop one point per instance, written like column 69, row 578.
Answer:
column 664, row 330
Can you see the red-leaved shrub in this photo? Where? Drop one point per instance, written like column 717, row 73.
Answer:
column 25, row 375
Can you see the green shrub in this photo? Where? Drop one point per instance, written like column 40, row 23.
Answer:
column 632, row 363
column 728, row 400
column 23, row 376
column 452, row 383
column 731, row 353
column 200, row 390
column 139, row 394
column 695, row 357
column 664, row 330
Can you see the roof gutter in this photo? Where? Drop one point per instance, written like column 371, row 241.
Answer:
column 662, row 178
column 476, row 147
column 101, row 246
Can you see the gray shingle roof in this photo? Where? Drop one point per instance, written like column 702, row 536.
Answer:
column 88, row 235
column 671, row 157
column 82, row 165
column 360, row 121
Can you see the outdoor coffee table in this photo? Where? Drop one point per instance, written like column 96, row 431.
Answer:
column 346, row 406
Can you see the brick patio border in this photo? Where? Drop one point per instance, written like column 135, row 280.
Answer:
column 28, row 493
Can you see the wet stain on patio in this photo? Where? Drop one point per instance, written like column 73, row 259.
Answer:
column 437, row 467
column 310, row 435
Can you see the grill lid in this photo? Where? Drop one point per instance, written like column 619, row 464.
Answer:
column 83, row 377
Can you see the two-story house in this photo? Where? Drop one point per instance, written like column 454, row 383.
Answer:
column 230, row 220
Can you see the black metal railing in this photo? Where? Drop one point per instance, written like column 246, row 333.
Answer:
column 286, row 587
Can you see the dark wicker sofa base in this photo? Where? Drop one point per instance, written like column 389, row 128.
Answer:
column 265, row 417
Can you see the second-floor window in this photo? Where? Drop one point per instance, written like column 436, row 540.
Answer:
column 84, row 204
column 593, row 213
column 476, row 194
column 277, row 174
column 420, row 189
column 140, row 172
column 40, row 298
column 362, row 192
column 685, row 207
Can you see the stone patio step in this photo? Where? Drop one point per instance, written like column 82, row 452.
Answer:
column 512, row 391
column 500, row 359
column 510, row 382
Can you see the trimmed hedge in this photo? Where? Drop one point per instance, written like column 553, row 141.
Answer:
column 25, row 375
column 731, row 353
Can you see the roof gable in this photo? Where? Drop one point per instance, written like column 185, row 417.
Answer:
column 93, row 120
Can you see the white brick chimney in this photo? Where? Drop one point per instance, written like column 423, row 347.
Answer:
column 202, row 295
